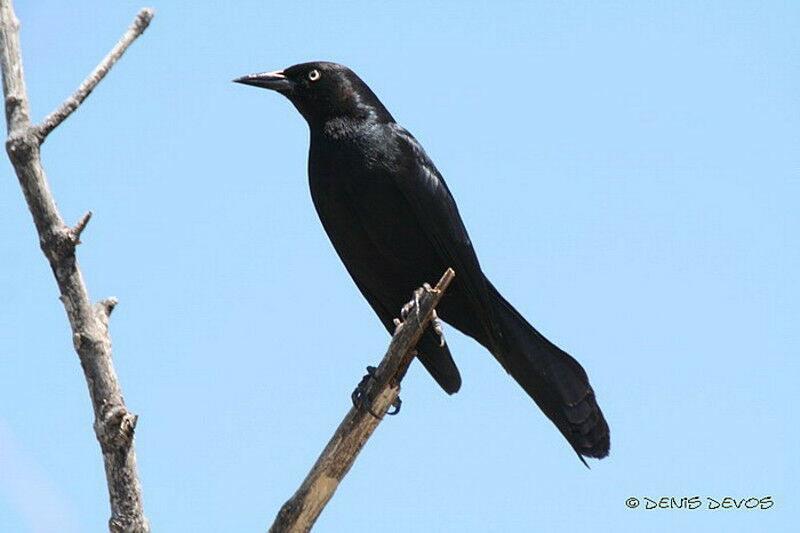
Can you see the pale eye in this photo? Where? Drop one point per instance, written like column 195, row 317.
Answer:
column 314, row 75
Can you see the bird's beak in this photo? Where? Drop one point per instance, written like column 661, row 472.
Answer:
column 276, row 81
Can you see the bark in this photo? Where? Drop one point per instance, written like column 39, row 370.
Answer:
column 114, row 425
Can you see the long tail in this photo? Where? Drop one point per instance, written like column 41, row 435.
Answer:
column 556, row 382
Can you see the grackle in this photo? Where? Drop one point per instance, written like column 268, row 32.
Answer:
column 395, row 225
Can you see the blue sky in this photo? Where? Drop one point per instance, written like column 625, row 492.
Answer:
column 629, row 173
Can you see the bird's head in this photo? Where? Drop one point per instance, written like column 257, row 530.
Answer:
column 323, row 91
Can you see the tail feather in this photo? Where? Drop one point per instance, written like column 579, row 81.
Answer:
column 556, row 382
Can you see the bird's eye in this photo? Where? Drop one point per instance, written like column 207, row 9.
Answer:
column 314, row 75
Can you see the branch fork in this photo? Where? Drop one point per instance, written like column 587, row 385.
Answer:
column 72, row 103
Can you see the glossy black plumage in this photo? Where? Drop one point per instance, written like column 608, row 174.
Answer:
column 395, row 225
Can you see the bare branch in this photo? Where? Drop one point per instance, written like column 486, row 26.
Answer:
column 114, row 425
column 16, row 96
column 301, row 511
column 108, row 305
column 75, row 231
column 72, row 103
column 104, row 307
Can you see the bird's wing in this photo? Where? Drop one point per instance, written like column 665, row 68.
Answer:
column 434, row 206
column 357, row 239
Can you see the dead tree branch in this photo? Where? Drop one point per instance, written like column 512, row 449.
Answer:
column 114, row 425
column 72, row 103
column 301, row 511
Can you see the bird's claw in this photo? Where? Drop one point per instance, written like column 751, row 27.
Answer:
column 405, row 311
column 395, row 406
column 436, row 324
column 361, row 399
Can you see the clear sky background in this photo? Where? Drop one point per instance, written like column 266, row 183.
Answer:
column 629, row 173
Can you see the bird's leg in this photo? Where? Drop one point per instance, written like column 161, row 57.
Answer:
column 436, row 324
column 414, row 304
column 361, row 399
column 405, row 311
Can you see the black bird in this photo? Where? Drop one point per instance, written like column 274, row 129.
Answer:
column 395, row 225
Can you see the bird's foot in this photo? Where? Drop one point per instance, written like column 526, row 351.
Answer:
column 413, row 305
column 361, row 399
column 405, row 311
column 436, row 324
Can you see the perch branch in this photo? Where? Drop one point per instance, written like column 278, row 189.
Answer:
column 301, row 511
column 114, row 425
